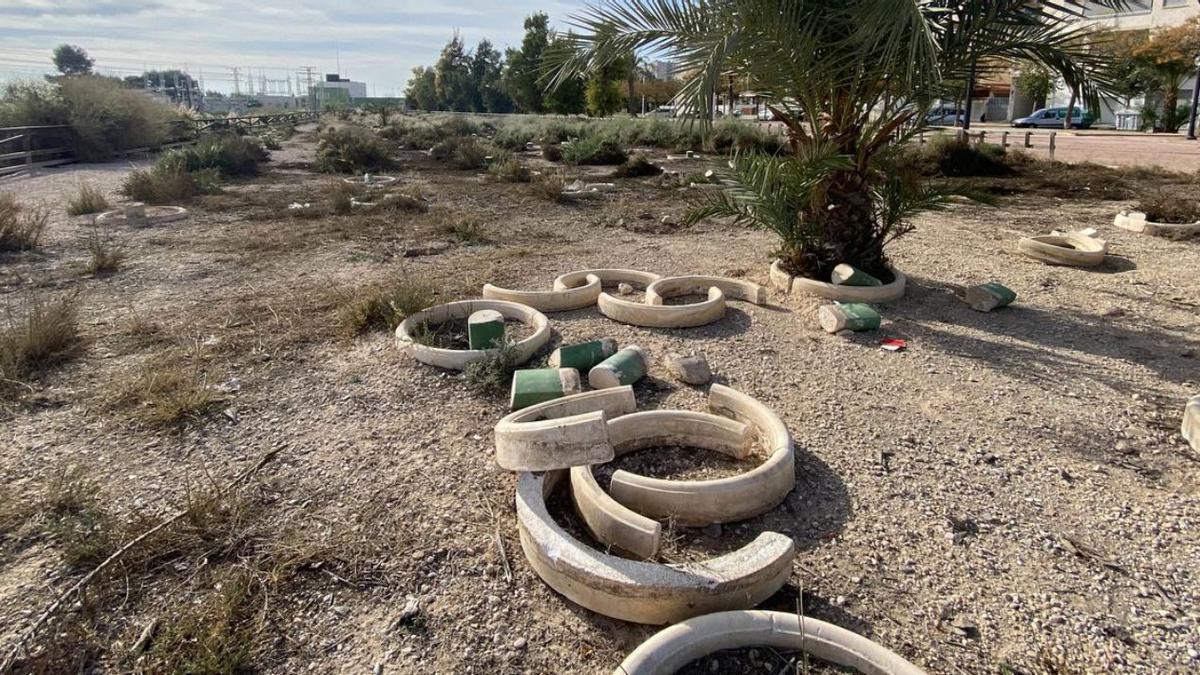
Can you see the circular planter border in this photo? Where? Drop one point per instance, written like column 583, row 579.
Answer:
column 664, row 316
column 823, row 289
column 608, row 277
column 1135, row 221
column 672, row 648
column 375, row 182
column 644, row 592
column 1047, row 248
column 458, row 359
column 734, row 289
column 155, row 215
column 563, row 432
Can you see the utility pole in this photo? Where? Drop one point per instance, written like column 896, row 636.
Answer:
column 237, row 87
column 309, row 92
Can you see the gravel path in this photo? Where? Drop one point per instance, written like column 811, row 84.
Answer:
column 1009, row 492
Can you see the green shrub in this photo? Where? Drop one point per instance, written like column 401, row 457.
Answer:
column 549, row 186
column 459, row 127
column 86, row 200
column 411, row 134
column 351, row 149
column 492, row 374
column 229, row 154
column 736, row 136
column 595, row 150
column 169, row 182
column 636, row 167
column 20, row 227
column 947, row 156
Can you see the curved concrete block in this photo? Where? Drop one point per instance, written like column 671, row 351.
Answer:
column 619, row 527
column 696, row 503
column 458, row 359
column 644, row 592
column 664, row 316
column 582, row 294
column 1135, row 221
column 608, row 277
column 138, row 215
column 787, row 283
column 734, row 289
column 561, row 433
column 1191, row 423
column 673, row 648
column 1071, row 249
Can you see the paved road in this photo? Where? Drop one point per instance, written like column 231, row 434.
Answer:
column 1105, row 147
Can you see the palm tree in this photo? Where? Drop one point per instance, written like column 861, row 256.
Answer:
column 857, row 76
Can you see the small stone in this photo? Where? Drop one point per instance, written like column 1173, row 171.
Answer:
column 624, row 289
column 692, row 369
column 1113, row 312
column 520, row 643
column 712, row 530
column 411, row 609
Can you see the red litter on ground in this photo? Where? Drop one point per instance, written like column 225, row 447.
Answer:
column 893, row 345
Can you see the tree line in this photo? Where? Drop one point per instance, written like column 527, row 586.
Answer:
column 484, row 81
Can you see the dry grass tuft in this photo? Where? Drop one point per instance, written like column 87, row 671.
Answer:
column 105, row 257
column 549, row 186
column 378, row 306
column 45, row 335
column 492, row 375
column 20, row 227
column 464, row 227
column 170, row 393
column 87, row 199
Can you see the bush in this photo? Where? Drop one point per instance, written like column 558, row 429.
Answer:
column 106, row 117
column 20, row 228
column 947, row 156
column 462, row 153
column 1169, row 208
column 230, row 154
column 595, row 150
column 735, row 136
column 552, row 153
column 459, row 127
column 168, row 183
column 505, row 167
column 492, row 374
column 105, row 257
column 381, row 306
column 46, row 335
column 351, row 149
column 411, row 135
column 636, row 167
column 86, row 200
column 513, row 137
column 549, row 186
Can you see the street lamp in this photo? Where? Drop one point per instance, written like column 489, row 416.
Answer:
column 1195, row 99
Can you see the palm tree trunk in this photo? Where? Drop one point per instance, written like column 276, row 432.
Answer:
column 1071, row 107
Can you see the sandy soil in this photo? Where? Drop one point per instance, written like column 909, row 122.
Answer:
column 1010, row 492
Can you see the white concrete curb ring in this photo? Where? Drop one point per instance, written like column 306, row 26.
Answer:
column 458, row 359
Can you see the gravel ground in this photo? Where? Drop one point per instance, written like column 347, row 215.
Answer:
column 1009, row 492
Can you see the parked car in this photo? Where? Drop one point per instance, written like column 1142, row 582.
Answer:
column 662, row 111
column 945, row 116
column 1053, row 118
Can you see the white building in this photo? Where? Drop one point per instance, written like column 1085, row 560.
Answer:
column 335, row 81
column 1140, row 15
column 663, row 70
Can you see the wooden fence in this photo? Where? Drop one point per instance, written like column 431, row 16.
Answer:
column 26, row 148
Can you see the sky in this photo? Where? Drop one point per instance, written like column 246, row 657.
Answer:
column 376, row 41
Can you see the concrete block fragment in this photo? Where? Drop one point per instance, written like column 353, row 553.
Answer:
column 989, row 296
column 485, row 329
column 536, row 385
column 692, row 369
column 1191, row 423
column 583, row 356
column 625, row 367
column 848, row 275
column 564, row 432
column 849, row 316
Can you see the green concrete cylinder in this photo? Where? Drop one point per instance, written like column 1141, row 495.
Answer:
column 542, row 384
column 485, row 329
column 853, row 316
column 583, row 356
column 989, row 296
column 625, row 367
column 848, row 275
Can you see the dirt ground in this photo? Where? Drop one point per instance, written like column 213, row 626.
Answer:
column 1009, row 494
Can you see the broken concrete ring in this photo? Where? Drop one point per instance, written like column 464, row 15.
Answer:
column 561, row 433
column 370, row 180
column 644, row 592
column 611, row 523
column 664, row 316
column 734, row 289
column 788, row 283
column 696, row 503
column 1135, row 221
column 672, row 648
column 1191, row 423
column 458, row 359
column 152, row 215
column 608, row 277
column 1070, row 249
column 560, row 300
